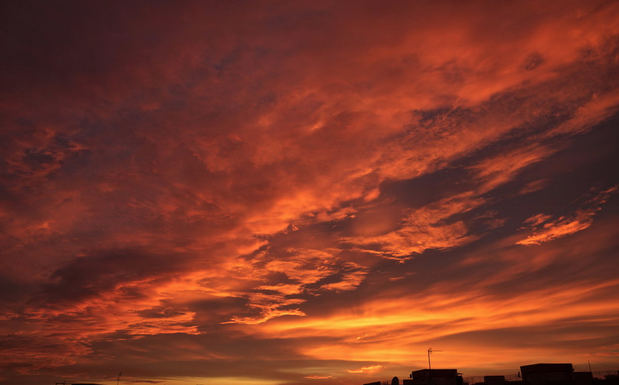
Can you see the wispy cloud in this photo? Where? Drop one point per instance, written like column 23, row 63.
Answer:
column 543, row 228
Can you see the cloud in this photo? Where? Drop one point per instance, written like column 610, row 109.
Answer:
column 502, row 168
column 366, row 369
column 426, row 228
column 327, row 187
column 544, row 229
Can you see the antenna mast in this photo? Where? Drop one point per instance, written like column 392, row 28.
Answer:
column 430, row 351
column 429, row 364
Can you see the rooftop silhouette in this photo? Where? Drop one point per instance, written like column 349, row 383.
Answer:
column 535, row 374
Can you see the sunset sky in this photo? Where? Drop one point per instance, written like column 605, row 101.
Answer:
column 306, row 192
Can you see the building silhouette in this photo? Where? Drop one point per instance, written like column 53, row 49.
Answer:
column 434, row 377
column 547, row 374
column 499, row 380
column 494, row 380
column 609, row 379
column 582, row 378
column 536, row 374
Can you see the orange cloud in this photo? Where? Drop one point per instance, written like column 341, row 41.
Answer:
column 304, row 191
column 544, row 229
column 366, row 369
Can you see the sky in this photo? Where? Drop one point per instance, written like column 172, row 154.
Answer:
column 306, row 192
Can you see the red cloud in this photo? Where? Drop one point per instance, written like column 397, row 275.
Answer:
column 187, row 188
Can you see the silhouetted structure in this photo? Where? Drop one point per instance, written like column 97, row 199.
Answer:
column 494, row 380
column 582, row 378
column 547, row 374
column 536, row 374
column 497, row 382
column 609, row 379
column 435, row 377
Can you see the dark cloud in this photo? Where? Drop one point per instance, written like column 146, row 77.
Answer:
column 92, row 275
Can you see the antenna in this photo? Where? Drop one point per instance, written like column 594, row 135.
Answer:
column 430, row 351
column 430, row 365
